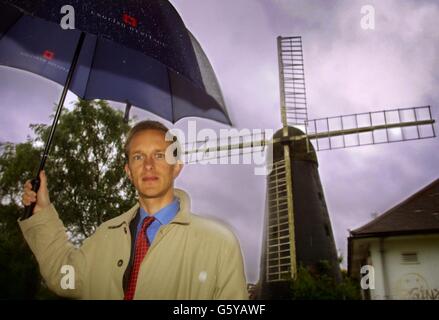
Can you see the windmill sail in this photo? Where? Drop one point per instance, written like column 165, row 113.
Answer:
column 368, row 128
column 354, row 130
column 292, row 79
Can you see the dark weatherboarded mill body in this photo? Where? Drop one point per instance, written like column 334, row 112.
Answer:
column 314, row 241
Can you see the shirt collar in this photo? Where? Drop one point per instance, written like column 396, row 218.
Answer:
column 183, row 215
column 164, row 215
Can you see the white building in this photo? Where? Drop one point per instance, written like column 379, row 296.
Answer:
column 400, row 250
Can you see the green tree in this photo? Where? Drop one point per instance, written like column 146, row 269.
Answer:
column 86, row 179
column 318, row 284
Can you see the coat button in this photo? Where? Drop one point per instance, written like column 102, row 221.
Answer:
column 125, row 230
column 120, row 263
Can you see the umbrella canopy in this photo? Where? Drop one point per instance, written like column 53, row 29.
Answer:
column 137, row 52
column 132, row 51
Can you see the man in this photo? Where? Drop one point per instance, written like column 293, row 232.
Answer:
column 156, row 250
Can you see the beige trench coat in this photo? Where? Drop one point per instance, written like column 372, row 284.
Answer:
column 192, row 257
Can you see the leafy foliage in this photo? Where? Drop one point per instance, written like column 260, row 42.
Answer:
column 317, row 284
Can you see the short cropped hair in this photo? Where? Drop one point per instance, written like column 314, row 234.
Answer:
column 147, row 125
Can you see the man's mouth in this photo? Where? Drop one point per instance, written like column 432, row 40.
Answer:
column 149, row 178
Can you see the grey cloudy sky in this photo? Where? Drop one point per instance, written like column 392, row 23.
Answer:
column 348, row 70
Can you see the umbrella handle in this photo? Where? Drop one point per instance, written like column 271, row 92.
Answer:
column 28, row 210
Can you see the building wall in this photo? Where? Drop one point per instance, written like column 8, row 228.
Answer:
column 398, row 278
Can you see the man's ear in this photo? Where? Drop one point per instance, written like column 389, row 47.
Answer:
column 128, row 171
column 177, row 168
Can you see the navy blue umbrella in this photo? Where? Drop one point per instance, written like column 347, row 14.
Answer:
column 133, row 51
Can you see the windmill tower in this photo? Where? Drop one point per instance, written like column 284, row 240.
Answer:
column 297, row 225
column 297, row 228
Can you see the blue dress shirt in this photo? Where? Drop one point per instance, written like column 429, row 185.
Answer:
column 162, row 217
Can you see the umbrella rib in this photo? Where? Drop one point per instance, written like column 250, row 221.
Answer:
column 170, row 94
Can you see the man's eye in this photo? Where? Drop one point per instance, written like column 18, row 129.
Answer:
column 137, row 157
column 160, row 155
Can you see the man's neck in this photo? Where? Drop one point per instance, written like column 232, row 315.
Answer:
column 153, row 205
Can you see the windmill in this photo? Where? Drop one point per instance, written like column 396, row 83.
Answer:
column 297, row 228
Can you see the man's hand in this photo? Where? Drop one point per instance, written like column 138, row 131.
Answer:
column 42, row 197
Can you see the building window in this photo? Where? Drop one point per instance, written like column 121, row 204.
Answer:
column 409, row 258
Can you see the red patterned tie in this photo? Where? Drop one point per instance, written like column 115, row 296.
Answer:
column 142, row 246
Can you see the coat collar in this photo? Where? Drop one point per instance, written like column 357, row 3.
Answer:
column 182, row 216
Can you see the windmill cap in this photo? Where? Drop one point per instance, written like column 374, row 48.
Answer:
column 298, row 148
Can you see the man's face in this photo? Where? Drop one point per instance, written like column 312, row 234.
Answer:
column 147, row 168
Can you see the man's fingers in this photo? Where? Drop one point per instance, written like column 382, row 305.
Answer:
column 30, row 194
column 28, row 198
column 41, row 197
column 33, row 196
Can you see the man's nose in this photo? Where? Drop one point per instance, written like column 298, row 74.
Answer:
column 148, row 162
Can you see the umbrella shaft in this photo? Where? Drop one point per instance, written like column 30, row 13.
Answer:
column 61, row 101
